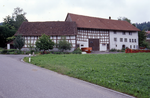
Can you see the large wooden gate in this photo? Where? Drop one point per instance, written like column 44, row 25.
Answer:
column 94, row 43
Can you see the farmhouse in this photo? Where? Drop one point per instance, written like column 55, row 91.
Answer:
column 104, row 34
column 84, row 31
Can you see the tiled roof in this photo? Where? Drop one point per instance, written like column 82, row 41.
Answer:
column 148, row 32
column 48, row 28
column 100, row 23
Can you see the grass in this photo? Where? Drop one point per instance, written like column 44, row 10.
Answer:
column 127, row 73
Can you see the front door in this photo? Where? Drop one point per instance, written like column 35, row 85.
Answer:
column 94, row 43
column 107, row 46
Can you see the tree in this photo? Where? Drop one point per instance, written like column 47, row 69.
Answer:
column 19, row 42
column 17, row 18
column 124, row 19
column 11, row 24
column 5, row 32
column 63, row 44
column 142, row 37
column 44, row 43
column 9, row 21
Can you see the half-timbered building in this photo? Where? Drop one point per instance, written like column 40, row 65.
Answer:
column 84, row 31
column 104, row 34
column 31, row 31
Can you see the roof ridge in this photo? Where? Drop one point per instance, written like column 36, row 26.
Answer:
column 47, row 21
column 94, row 17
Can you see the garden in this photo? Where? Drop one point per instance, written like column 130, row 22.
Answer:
column 127, row 73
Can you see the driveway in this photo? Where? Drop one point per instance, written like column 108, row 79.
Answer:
column 22, row 80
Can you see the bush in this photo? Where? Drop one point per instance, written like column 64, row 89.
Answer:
column 4, row 51
column 113, row 50
column 32, row 51
column 11, row 51
column 77, row 51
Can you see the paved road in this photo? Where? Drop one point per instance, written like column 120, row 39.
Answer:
column 21, row 80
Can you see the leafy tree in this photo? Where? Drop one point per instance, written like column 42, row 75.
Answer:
column 17, row 18
column 145, row 44
column 44, row 43
column 124, row 19
column 142, row 37
column 143, row 26
column 10, row 25
column 19, row 42
column 64, row 45
column 5, row 32
column 9, row 21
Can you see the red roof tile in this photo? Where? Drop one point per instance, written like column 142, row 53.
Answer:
column 100, row 23
column 48, row 28
column 148, row 32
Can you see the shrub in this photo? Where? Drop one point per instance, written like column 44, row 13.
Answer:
column 4, row 51
column 63, row 44
column 118, row 50
column 77, row 51
column 19, row 42
column 44, row 43
column 113, row 50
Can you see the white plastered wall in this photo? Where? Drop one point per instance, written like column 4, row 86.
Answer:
column 118, row 45
column 83, row 44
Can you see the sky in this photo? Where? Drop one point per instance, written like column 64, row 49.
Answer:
column 56, row 10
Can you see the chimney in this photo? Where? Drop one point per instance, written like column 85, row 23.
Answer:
column 109, row 17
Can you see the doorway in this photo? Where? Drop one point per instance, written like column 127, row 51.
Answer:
column 94, row 43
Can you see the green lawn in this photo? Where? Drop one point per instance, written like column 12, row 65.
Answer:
column 127, row 73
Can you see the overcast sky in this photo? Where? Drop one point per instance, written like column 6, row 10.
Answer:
column 56, row 10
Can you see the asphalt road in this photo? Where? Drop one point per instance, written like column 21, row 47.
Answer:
column 21, row 80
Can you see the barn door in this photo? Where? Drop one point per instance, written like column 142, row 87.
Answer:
column 94, row 43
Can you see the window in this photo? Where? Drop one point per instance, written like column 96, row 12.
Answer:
column 130, row 33
column 130, row 46
column 125, row 39
column 115, row 39
column 78, row 45
column 134, row 40
column 115, row 32
column 129, row 40
column 121, row 39
column 103, row 44
column 134, row 46
column 116, row 45
column 123, row 33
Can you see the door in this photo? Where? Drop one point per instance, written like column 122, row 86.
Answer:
column 94, row 43
column 107, row 46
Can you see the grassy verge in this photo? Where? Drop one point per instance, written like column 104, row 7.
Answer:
column 127, row 73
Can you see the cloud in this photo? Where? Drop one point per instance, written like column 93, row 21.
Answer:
column 54, row 10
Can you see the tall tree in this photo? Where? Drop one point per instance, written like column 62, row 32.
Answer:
column 142, row 37
column 44, row 43
column 11, row 24
column 9, row 21
column 124, row 19
column 19, row 42
column 19, row 17
column 5, row 32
